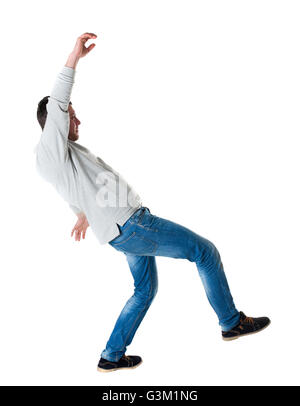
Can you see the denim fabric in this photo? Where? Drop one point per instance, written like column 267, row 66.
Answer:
column 145, row 236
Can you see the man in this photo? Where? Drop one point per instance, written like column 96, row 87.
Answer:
column 102, row 199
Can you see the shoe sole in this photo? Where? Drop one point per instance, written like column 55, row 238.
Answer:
column 247, row 334
column 117, row 369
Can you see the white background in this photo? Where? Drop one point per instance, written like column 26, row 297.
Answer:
column 196, row 104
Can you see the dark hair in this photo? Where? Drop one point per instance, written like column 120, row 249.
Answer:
column 42, row 111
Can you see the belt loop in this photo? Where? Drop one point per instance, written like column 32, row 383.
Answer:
column 142, row 214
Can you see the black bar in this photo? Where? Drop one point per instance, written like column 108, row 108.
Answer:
column 136, row 394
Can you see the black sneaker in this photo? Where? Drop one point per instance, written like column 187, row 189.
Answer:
column 126, row 362
column 246, row 326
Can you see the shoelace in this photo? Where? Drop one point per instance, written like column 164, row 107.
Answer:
column 248, row 320
column 128, row 359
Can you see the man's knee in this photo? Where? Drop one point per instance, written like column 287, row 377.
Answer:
column 152, row 292
column 146, row 296
column 206, row 251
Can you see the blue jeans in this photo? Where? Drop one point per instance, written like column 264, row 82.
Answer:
column 145, row 236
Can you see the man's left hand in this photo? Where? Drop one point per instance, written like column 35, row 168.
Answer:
column 80, row 227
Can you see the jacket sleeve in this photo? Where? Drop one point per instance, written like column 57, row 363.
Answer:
column 75, row 209
column 56, row 130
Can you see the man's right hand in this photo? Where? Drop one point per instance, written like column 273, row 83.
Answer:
column 80, row 50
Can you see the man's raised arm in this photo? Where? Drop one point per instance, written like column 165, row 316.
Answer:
column 56, row 130
column 63, row 87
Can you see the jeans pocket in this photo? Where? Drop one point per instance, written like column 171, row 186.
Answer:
column 125, row 231
column 136, row 244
